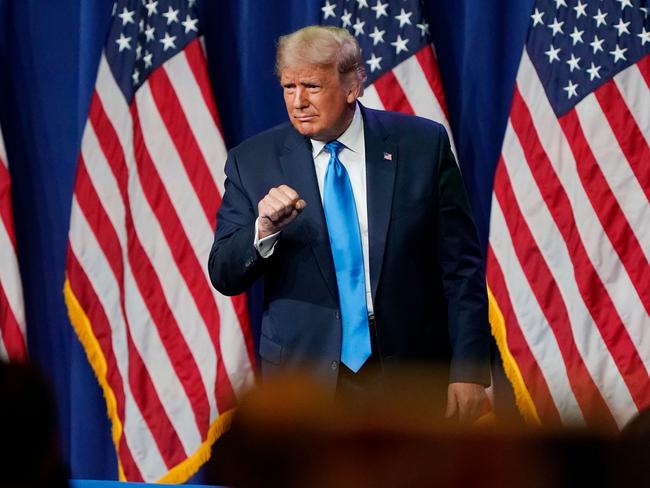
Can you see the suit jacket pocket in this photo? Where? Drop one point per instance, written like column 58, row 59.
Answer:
column 270, row 350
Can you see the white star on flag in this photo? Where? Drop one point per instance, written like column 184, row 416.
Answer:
column 380, row 9
column 400, row 44
column 346, row 18
column 152, row 8
column 571, row 89
column 645, row 36
column 573, row 63
column 328, row 9
column 171, row 15
column 618, row 53
column 621, row 27
column 149, row 33
column 168, row 42
column 580, row 9
column 625, row 3
column 556, row 26
column 147, row 59
column 377, row 36
column 576, row 35
column 127, row 16
column 593, row 72
column 552, row 54
column 404, row 18
column 600, row 18
column 358, row 27
column 597, row 44
column 374, row 62
column 123, row 42
column 190, row 24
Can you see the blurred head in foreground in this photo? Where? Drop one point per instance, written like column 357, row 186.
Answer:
column 289, row 433
column 29, row 454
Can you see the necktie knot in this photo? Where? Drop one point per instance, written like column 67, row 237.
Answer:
column 334, row 147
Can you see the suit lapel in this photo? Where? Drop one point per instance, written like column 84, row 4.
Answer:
column 381, row 166
column 298, row 166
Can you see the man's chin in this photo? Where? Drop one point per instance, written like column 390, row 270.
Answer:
column 306, row 129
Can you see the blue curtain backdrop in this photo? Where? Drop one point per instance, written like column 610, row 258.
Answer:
column 49, row 50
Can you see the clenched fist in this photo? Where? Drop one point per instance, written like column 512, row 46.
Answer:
column 278, row 209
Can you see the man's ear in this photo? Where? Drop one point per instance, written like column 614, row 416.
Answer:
column 354, row 92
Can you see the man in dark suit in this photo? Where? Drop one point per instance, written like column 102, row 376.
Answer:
column 358, row 222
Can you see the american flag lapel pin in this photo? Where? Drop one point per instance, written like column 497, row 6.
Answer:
column 388, row 156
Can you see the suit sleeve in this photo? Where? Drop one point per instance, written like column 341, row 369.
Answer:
column 234, row 263
column 463, row 274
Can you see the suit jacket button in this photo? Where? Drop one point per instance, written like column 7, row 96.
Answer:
column 334, row 365
column 249, row 262
column 338, row 315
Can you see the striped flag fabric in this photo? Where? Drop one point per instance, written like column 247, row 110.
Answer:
column 12, row 312
column 171, row 354
column 569, row 238
column 399, row 57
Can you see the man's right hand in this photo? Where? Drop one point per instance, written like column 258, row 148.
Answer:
column 278, row 209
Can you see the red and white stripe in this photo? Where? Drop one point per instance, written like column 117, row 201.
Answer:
column 413, row 87
column 568, row 258
column 177, row 353
column 12, row 313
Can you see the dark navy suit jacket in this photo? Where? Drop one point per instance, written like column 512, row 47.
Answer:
column 426, row 267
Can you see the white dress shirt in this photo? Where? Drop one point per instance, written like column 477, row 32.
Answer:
column 353, row 158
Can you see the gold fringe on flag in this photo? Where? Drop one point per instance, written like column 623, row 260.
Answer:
column 182, row 471
column 522, row 396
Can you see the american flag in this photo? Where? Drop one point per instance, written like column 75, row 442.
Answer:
column 12, row 314
column 570, row 223
column 170, row 353
column 399, row 58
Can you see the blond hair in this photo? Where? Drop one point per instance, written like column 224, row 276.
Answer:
column 324, row 46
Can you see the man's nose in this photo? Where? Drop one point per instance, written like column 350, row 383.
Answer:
column 299, row 98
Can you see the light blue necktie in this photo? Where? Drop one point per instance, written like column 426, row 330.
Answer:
column 345, row 240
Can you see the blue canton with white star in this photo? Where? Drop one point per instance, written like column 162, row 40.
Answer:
column 388, row 31
column 144, row 34
column 577, row 45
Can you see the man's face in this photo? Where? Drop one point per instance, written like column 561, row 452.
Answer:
column 319, row 105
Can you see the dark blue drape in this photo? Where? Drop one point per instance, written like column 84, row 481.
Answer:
column 49, row 52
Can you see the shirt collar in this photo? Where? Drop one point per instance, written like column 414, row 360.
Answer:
column 352, row 138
